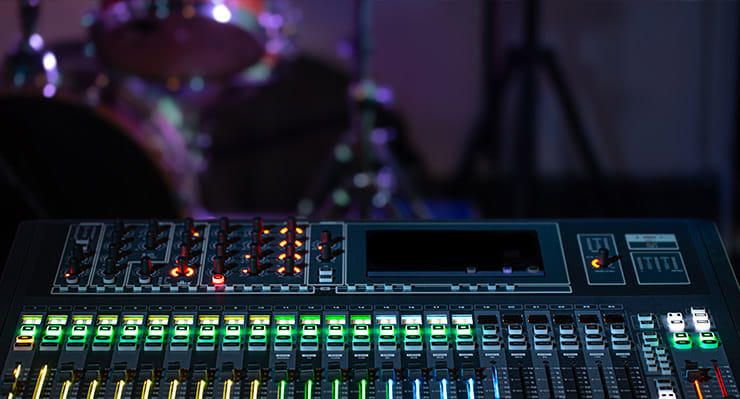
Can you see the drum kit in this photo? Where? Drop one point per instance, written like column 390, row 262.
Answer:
column 87, row 121
column 111, row 126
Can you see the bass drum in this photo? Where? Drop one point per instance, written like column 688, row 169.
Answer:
column 64, row 158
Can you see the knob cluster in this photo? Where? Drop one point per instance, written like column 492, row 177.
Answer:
column 111, row 263
column 292, row 243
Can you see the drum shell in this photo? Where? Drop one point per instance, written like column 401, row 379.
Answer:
column 179, row 39
column 84, row 150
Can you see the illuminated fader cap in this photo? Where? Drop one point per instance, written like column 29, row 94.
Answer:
column 361, row 332
column 309, row 340
column 233, row 330
column 386, row 332
column 26, row 338
column 438, row 338
column 284, row 332
column 335, row 335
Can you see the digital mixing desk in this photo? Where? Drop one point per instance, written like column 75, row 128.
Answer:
column 293, row 309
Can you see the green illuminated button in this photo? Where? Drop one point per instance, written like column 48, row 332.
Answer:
column 681, row 340
column 206, row 340
column 708, row 340
column 387, row 337
column 232, row 339
column 129, row 339
column 28, row 329
column 335, row 338
column 412, row 337
column 52, row 338
column 361, row 337
column 103, row 340
column 309, row 338
column 258, row 338
column 77, row 338
column 180, row 340
column 283, row 338
column 438, row 339
column 154, row 340
column 464, row 339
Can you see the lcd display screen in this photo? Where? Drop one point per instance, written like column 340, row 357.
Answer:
column 453, row 252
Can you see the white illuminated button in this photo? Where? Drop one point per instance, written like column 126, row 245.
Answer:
column 698, row 309
column 702, row 324
column 674, row 316
column 675, row 322
column 676, row 325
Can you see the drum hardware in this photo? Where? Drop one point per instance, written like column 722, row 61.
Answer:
column 524, row 62
column 31, row 65
column 364, row 177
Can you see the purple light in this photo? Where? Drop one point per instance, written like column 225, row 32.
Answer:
column 384, row 95
column 507, row 270
column 49, row 61
column 49, row 90
column 36, row 41
column 221, row 13
column 380, row 136
column 271, row 21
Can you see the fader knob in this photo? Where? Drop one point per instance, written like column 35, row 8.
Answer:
column 109, row 270
column 74, row 265
column 74, row 269
column 603, row 256
column 151, row 239
column 220, row 250
column 77, row 251
column 256, row 236
column 290, row 223
column 182, row 265
column 258, row 225
column 147, row 268
column 289, row 263
column 189, row 225
column 153, row 226
column 223, row 237
column 184, row 251
column 186, row 237
column 147, row 265
column 325, row 246
column 218, row 265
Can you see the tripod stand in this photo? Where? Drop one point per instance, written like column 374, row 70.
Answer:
column 364, row 178
column 527, row 60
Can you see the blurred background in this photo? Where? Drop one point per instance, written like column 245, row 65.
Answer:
column 369, row 109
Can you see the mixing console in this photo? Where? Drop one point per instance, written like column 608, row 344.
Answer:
column 359, row 310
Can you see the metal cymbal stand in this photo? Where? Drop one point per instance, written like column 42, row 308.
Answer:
column 363, row 179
